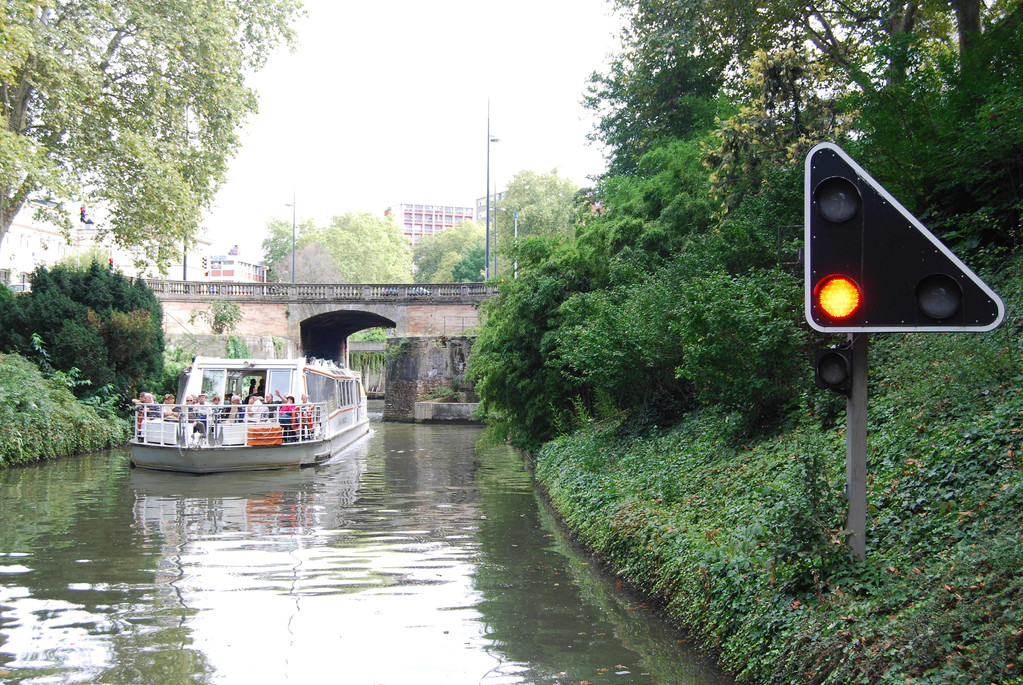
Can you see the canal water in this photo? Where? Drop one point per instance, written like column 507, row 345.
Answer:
column 412, row 557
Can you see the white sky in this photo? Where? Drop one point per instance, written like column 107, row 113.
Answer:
column 386, row 102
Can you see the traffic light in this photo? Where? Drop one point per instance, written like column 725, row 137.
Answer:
column 81, row 217
column 871, row 266
column 111, row 263
column 833, row 369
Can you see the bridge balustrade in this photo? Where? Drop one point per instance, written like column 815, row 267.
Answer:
column 196, row 291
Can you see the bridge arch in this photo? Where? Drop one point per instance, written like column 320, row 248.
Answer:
column 315, row 319
column 325, row 335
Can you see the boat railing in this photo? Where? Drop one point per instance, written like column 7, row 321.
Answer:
column 228, row 425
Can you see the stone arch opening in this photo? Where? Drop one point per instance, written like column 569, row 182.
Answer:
column 326, row 335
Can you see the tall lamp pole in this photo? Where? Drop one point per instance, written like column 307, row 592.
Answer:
column 486, row 256
column 292, row 205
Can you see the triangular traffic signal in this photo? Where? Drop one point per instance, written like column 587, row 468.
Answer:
column 871, row 266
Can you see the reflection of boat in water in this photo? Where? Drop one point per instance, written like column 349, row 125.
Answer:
column 206, row 438
column 261, row 502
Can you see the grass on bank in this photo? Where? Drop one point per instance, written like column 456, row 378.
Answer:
column 41, row 419
column 741, row 536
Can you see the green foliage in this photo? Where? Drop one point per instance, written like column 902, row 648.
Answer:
column 365, row 360
column 741, row 539
column 515, row 364
column 42, row 420
column 235, row 348
column 470, row 268
column 545, row 204
column 658, row 364
column 277, row 248
column 438, row 256
column 786, row 115
column 220, row 315
column 443, row 393
column 651, row 217
column 131, row 106
column 662, row 87
column 363, row 248
column 948, row 139
column 744, row 345
column 93, row 320
column 371, row 334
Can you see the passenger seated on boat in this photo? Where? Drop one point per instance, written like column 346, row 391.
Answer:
column 200, row 416
column 170, row 412
column 234, row 412
column 145, row 408
column 256, row 411
column 272, row 406
column 288, row 418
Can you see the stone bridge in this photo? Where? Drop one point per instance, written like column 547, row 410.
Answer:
column 315, row 319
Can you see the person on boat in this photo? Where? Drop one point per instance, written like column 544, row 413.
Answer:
column 201, row 417
column 288, row 418
column 170, row 412
column 236, row 412
column 215, row 412
column 272, row 405
column 307, row 416
column 256, row 410
column 145, row 408
column 255, row 390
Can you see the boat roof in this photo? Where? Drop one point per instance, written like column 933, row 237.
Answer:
column 299, row 363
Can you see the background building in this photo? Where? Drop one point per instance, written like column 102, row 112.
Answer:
column 420, row 220
column 29, row 244
column 481, row 205
column 232, row 267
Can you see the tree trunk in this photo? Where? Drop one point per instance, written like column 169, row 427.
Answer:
column 968, row 23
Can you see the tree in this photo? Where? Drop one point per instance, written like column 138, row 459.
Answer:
column 470, row 269
column 93, row 320
column 277, row 247
column 545, row 204
column 438, row 256
column 131, row 108
column 313, row 264
column 365, row 248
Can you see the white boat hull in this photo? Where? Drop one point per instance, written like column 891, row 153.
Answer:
column 200, row 460
column 193, row 437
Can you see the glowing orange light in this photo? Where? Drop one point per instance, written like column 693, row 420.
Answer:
column 838, row 296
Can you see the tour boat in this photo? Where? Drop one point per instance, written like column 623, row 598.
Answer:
column 210, row 438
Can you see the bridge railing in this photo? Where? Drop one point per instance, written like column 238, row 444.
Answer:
column 195, row 291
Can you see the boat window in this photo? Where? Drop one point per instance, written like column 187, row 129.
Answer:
column 322, row 389
column 239, row 382
column 213, row 382
column 280, row 381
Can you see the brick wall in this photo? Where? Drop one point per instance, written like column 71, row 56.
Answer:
column 257, row 319
column 450, row 319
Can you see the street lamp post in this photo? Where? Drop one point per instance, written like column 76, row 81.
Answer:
column 486, row 255
column 292, row 205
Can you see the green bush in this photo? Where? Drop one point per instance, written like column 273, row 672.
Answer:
column 744, row 345
column 42, row 419
column 740, row 533
column 93, row 320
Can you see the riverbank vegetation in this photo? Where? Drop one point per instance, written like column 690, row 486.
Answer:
column 74, row 350
column 42, row 419
column 657, row 362
column 93, row 320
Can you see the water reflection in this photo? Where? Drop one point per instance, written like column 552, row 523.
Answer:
column 411, row 558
